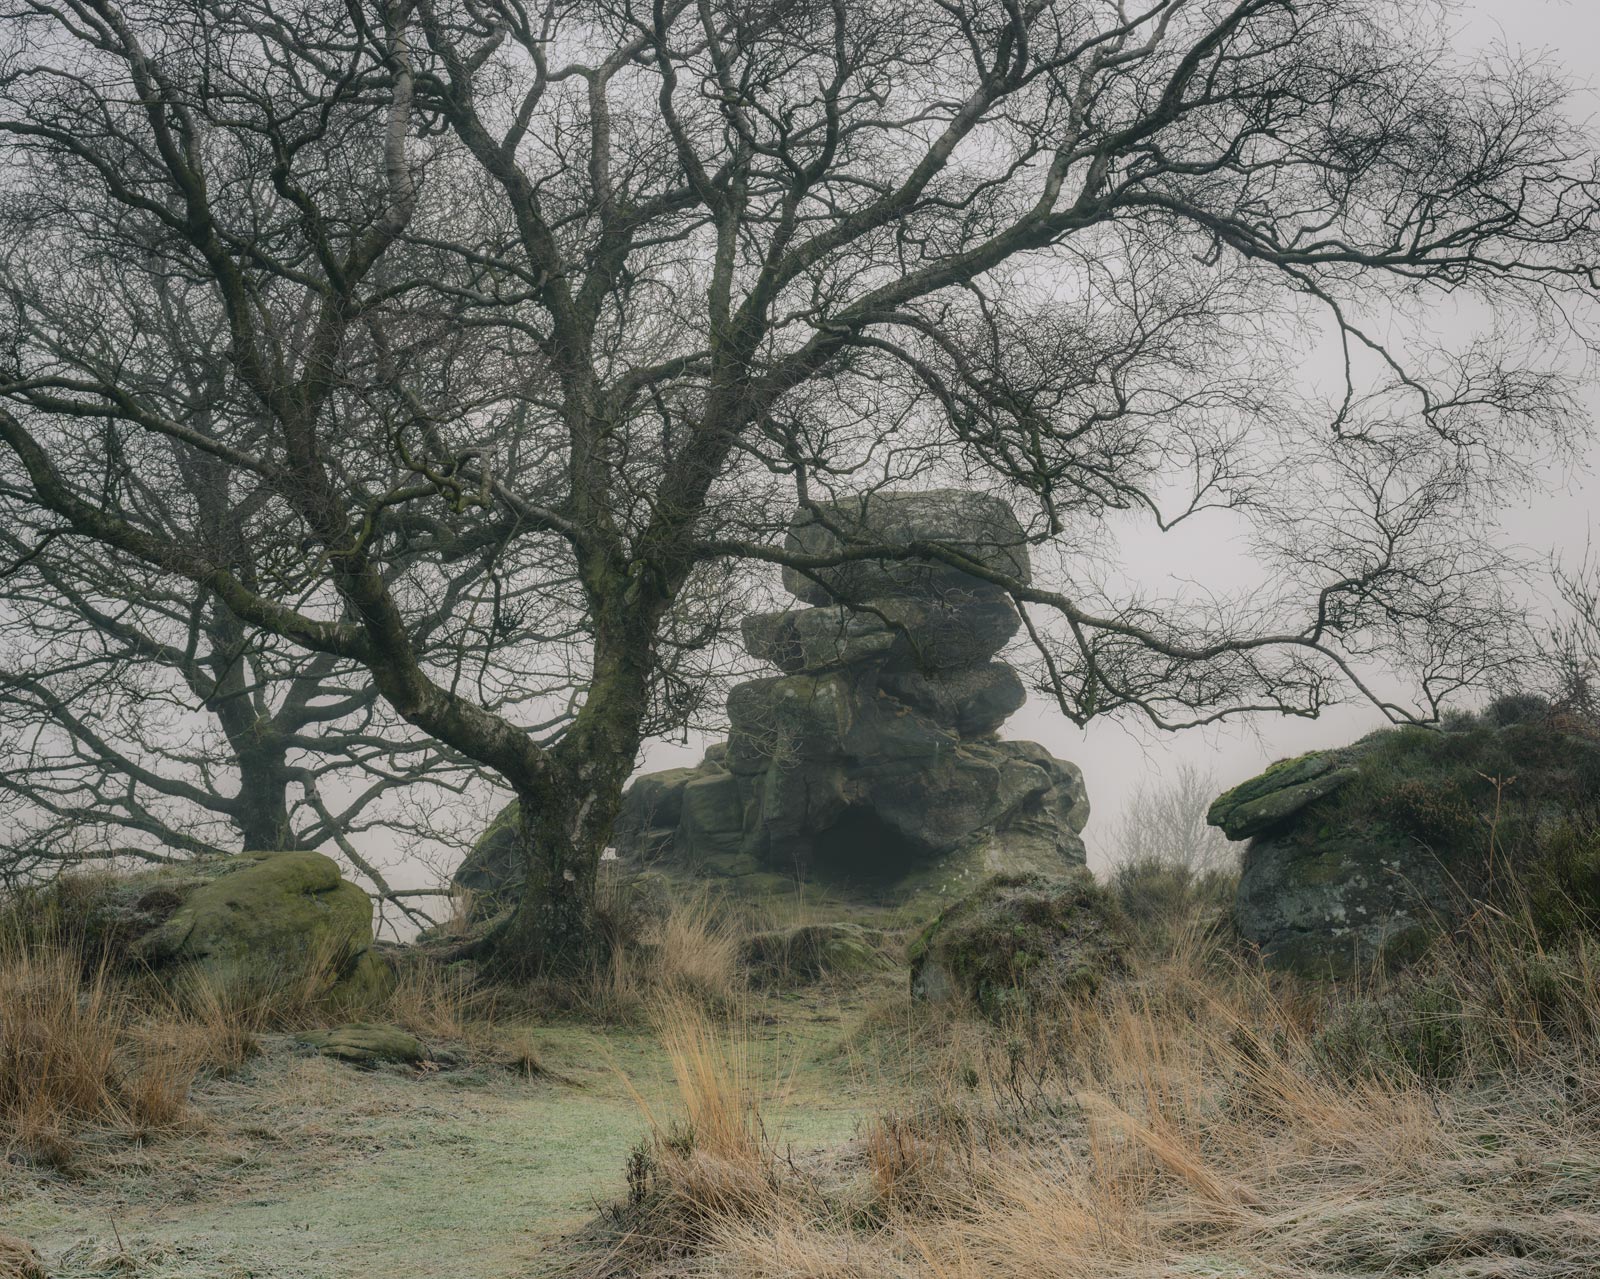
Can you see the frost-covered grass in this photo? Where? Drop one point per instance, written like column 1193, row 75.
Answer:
column 291, row 1166
column 1196, row 1118
column 1200, row 1119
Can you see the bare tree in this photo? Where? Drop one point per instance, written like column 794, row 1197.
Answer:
column 147, row 721
column 699, row 262
column 1164, row 823
column 151, row 725
column 1573, row 648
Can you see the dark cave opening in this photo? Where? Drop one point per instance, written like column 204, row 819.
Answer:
column 860, row 848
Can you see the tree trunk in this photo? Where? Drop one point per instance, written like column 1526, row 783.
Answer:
column 563, row 831
column 568, row 811
column 261, row 810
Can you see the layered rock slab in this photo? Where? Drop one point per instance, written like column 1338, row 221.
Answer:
column 970, row 527
column 1363, row 854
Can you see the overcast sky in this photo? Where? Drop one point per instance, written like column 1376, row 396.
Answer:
column 1115, row 759
column 1119, row 758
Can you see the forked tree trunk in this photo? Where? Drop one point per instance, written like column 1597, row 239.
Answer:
column 568, row 809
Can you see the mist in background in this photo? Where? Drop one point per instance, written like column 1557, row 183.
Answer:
column 1120, row 758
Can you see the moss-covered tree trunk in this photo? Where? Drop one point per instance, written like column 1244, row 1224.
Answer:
column 561, row 833
column 566, row 814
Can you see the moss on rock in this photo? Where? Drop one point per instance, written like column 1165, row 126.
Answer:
column 811, row 951
column 268, row 910
column 1423, row 826
column 1019, row 940
column 490, row 871
column 1274, row 796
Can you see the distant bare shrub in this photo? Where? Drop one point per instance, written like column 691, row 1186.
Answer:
column 1171, row 871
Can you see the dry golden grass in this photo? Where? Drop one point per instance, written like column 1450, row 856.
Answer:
column 74, row 1054
column 58, row 1046
column 18, row 1260
column 437, row 1002
column 1190, row 1121
column 697, row 954
column 707, row 1165
column 719, row 1098
column 690, row 952
column 87, row 1051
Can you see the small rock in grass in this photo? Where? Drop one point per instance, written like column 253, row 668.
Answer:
column 811, row 951
column 366, row 1044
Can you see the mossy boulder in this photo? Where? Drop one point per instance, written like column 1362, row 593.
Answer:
column 254, row 918
column 1019, row 941
column 1366, row 853
column 266, row 906
column 366, row 1044
column 1276, row 795
column 491, row 871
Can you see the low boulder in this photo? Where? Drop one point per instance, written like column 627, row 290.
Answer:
column 1367, row 853
column 366, row 1044
column 1020, row 941
column 237, row 920
column 265, row 907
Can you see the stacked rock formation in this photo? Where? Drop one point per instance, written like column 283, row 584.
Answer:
column 871, row 764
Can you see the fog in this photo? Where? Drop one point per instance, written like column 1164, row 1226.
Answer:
column 1120, row 757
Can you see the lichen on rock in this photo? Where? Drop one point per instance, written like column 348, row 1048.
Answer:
column 1366, row 853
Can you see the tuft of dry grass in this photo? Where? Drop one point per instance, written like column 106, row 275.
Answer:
column 1187, row 1121
column 59, row 1035
column 438, row 1002
column 697, row 954
column 18, row 1260
column 708, row 1165
column 711, row 1067
column 690, row 952
column 74, row 1054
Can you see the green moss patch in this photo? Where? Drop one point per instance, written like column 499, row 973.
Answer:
column 1019, row 940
